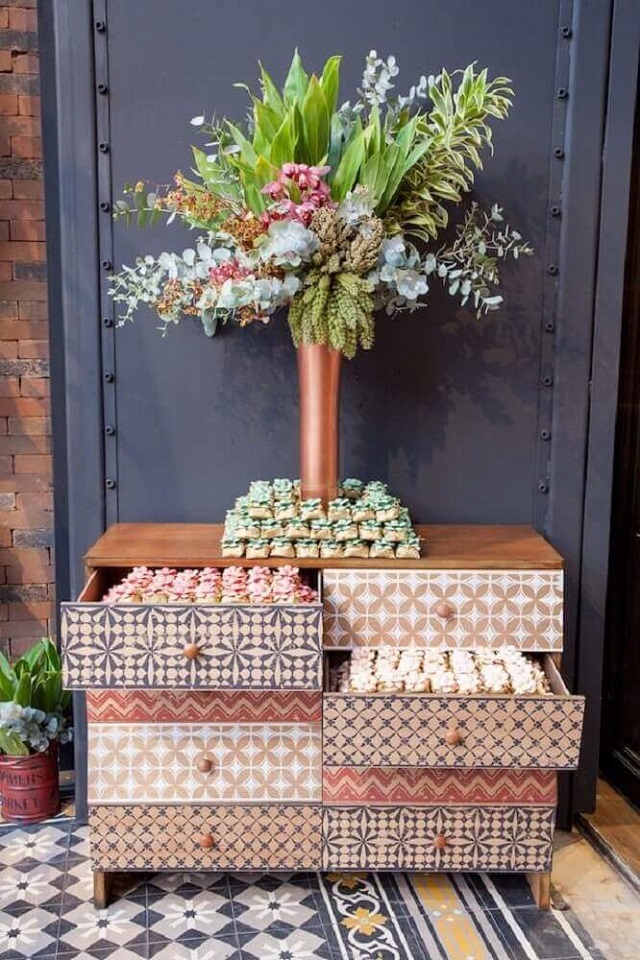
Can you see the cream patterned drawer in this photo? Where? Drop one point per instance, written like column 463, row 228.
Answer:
column 187, row 646
column 446, row 608
column 417, row 730
column 438, row 838
column 206, row 838
column 237, row 763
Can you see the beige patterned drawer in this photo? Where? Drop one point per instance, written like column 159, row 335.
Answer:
column 204, row 763
column 438, row 838
column 236, row 837
column 191, row 646
column 446, row 608
column 491, row 731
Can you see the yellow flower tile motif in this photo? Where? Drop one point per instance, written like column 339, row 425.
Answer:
column 348, row 880
column 364, row 921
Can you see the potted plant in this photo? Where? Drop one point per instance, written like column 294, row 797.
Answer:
column 34, row 718
column 334, row 212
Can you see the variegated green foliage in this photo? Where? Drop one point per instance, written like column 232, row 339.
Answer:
column 452, row 137
column 33, row 683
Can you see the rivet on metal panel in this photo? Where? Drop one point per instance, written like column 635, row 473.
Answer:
column 110, row 484
column 565, row 32
column 549, row 326
column 100, row 26
column 107, row 265
column 105, row 206
column 109, row 378
column 547, row 380
column 554, row 210
column 103, row 147
column 545, row 434
column 558, row 153
column 552, row 269
column 108, row 321
column 109, row 430
column 562, row 93
column 103, row 88
column 543, row 486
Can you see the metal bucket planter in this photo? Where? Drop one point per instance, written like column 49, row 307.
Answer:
column 29, row 787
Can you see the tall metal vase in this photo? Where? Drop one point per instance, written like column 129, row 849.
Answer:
column 319, row 375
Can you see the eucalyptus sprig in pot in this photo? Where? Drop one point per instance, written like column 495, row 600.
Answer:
column 333, row 211
column 34, row 719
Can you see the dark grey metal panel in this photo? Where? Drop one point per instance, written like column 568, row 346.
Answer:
column 616, row 179
column 68, row 128
column 445, row 408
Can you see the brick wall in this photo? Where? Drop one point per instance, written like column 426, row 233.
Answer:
column 26, row 589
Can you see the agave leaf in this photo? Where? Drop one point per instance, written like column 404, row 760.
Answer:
column 374, row 175
column 373, row 132
column 7, row 688
column 295, row 86
column 6, row 670
column 52, row 655
column 316, row 122
column 22, row 694
column 330, row 82
column 267, row 122
column 394, row 160
column 347, row 170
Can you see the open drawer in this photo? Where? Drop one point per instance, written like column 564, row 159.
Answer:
column 436, row 730
column 191, row 645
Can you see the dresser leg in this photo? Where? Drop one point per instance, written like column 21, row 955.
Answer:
column 101, row 888
column 540, row 884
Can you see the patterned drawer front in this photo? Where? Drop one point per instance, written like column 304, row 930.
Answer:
column 396, row 786
column 169, row 645
column 204, row 706
column 159, row 763
column 170, row 838
column 404, row 607
column 411, row 731
column 437, row 838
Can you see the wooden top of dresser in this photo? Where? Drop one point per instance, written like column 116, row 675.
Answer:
column 445, row 547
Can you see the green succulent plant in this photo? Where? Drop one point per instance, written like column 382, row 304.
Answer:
column 33, row 704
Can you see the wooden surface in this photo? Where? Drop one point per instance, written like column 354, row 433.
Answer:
column 540, row 884
column 445, row 547
column 615, row 826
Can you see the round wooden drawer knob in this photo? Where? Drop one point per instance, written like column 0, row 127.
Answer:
column 440, row 841
column 453, row 737
column 207, row 841
column 205, row 765
column 191, row 651
column 444, row 610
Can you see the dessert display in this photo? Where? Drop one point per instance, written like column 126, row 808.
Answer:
column 257, row 585
column 364, row 521
column 417, row 670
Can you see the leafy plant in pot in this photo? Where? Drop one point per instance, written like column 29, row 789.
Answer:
column 34, row 719
column 333, row 211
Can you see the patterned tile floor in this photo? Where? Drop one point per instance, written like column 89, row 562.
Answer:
column 46, row 912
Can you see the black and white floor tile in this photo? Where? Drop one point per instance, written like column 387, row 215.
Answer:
column 46, row 912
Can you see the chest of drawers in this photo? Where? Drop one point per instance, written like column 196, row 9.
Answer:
column 213, row 741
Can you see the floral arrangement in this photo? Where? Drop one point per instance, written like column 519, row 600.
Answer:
column 211, row 585
column 333, row 211
column 34, row 709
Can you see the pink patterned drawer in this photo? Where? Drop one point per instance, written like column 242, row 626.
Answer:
column 438, row 838
column 132, row 763
column 414, row 730
column 204, row 706
column 255, row 837
column 414, row 786
column 444, row 608
column 185, row 646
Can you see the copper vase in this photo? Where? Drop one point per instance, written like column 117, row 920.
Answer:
column 319, row 375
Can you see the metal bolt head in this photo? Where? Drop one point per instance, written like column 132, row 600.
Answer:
column 106, row 264
column 545, row 434
column 109, row 430
column 555, row 210
column 100, row 26
column 103, row 147
column 565, row 32
column 558, row 153
column 105, row 206
column 110, row 484
column 562, row 93
column 108, row 321
column 549, row 326
column 108, row 377
column 552, row 269
column 103, row 88
column 543, row 487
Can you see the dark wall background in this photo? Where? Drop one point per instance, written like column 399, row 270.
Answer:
column 446, row 409
column 509, row 419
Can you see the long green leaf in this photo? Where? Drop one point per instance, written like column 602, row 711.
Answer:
column 6, row 671
column 284, row 143
column 295, row 86
column 22, row 693
column 270, row 93
column 348, row 168
column 53, row 657
column 266, row 125
column 12, row 745
column 330, row 82
column 316, row 122
column 7, row 688
column 246, row 148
